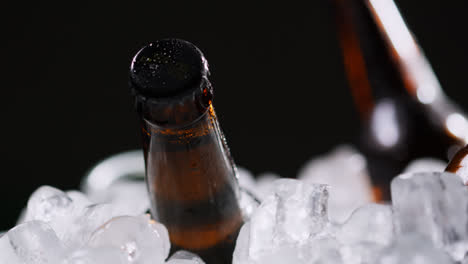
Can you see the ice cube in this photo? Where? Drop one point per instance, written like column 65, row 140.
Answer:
column 265, row 183
column 71, row 215
column 361, row 253
column 321, row 249
column 280, row 255
column 260, row 187
column 139, row 239
column 248, row 203
column 47, row 204
column 129, row 196
column 290, row 216
column 55, row 208
column 248, row 195
column 324, row 250
column 241, row 253
column 7, row 252
column 425, row 165
column 367, row 231
column 301, row 209
column 128, row 165
column 345, row 170
column 184, row 257
column 432, row 204
column 80, row 200
column 285, row 254
column 32, row 242
column 413, row 249
column 246, row 180
column 262, row 226
column 102, row 255
column 371, row 223
column 457, row 250
column 83, row 225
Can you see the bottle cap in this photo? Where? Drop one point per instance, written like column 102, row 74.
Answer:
column 168, row 68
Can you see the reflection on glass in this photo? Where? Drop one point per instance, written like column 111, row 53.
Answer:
column 457, row 125
column 384, row 124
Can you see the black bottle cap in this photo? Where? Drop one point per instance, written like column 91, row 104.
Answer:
column 168, row 68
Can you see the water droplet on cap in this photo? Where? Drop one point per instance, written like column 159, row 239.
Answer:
column 167, row 68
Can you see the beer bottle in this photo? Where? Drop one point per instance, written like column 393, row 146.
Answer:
column 405, row 114
column 189, row 172
column 458, row 164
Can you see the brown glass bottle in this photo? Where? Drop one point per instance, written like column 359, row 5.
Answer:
column 189, row 171
column 405, row 114
column 458, row 161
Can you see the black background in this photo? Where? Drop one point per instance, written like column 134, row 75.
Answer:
column 280, row 91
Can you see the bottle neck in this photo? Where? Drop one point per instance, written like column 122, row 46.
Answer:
column 175, row 112
column 202, row 129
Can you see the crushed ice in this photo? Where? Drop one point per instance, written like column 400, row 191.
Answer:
column 326, row 216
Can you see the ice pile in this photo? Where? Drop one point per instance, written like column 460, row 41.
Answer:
column 344, row 169
column 67, row 228
column 427, row 223
column 325, row 217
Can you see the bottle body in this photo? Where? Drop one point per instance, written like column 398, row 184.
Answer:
column 191, row 181
column 403, row 110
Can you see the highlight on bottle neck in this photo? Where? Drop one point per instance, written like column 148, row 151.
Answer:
column 169, row 80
